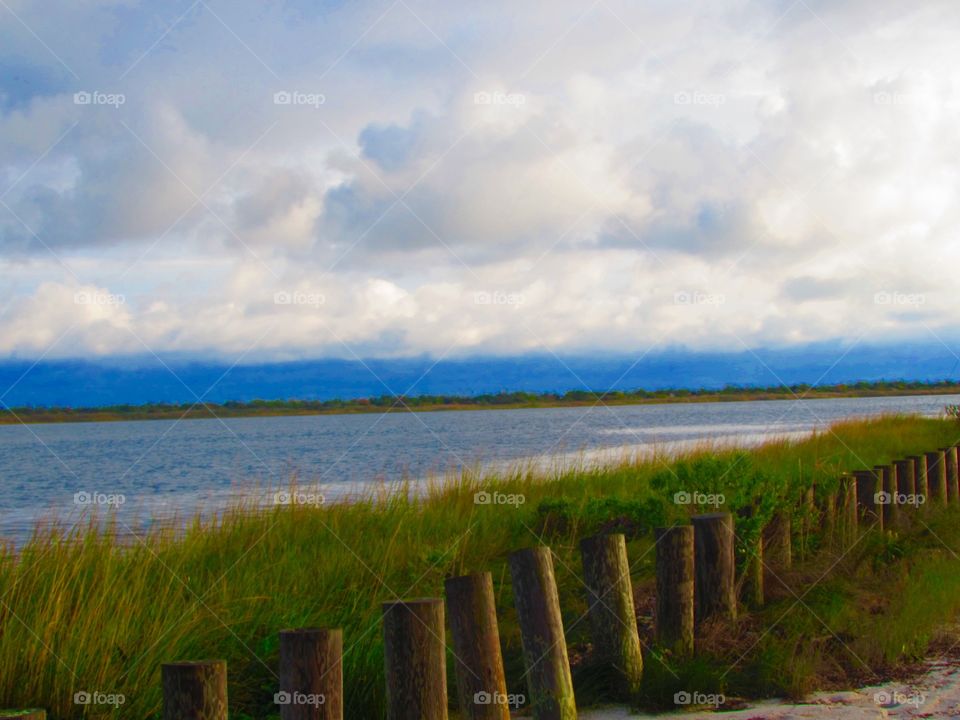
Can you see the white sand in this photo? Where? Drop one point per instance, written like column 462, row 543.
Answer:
column 936, row 694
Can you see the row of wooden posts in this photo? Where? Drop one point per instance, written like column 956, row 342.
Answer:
column 695, row 581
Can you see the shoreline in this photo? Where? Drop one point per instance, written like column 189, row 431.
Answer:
column 214, row 411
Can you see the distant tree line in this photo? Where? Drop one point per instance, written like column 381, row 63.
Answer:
column 486, row 400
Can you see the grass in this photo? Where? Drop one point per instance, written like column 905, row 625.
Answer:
column 84, row 611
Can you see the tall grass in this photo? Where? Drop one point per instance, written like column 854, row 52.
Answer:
column 84, row 610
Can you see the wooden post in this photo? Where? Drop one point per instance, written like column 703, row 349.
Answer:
column 714, row 568
column 549, row 681
column 887, row 500
column 937, row 476
column 606, row 573
column 953, row 481
column 24, row 714
column 828, row 516
column 919, row 475
column 868, row 509
column 311, row 674
column 481, row 686
column 903, row 470
column 194, row 690
column 414, row 656
column 848, row 487
column 778, row 542
column 675, row 581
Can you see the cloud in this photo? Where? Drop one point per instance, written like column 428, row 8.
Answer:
column 494, row 179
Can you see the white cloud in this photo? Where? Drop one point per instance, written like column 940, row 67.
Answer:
column 584, row 170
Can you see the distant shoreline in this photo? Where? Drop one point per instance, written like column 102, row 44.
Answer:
column 504, row 401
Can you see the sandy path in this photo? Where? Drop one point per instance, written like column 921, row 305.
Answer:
column 935, row 694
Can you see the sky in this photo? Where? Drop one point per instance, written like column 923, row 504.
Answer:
column 278, row 180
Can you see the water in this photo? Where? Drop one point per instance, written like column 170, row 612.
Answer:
column 164, row 467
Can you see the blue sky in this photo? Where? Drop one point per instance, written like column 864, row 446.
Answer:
column 281, row 180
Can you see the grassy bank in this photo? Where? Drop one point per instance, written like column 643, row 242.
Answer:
column 89, row 613
column 435, row 403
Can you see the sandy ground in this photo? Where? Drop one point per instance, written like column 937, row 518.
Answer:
column 935, row 694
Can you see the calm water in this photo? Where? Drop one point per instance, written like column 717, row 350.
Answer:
column 165, row 467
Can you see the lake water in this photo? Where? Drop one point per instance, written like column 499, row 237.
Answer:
column 168, row 467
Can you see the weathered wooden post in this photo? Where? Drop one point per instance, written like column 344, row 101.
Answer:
column 919, row 475
column 953, row 481
column 675, row 582
column 868, row 510
column 714, row 567
column 606, row 573
column 937, row 476
column 903, row 470
column 541, row 632
column 194, row 690
column 311, row 674
column 481, row 686
column 848, row 489
column 828, row 515
column 778, row 548
column 414, row 656
column 887, row 491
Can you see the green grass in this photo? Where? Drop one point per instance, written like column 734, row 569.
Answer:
column 88, row 612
